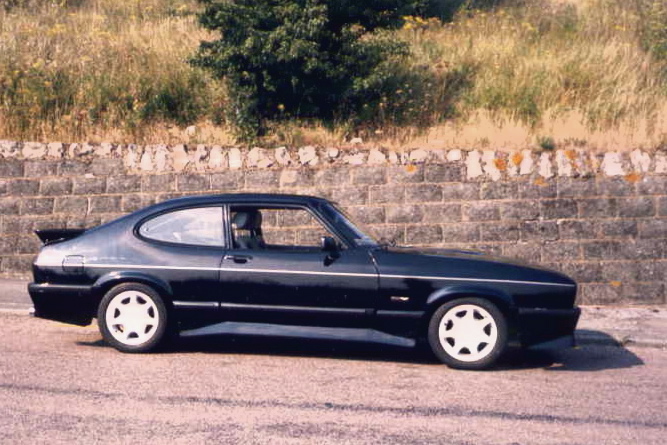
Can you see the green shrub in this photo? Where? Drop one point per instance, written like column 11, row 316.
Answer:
column 285, row 59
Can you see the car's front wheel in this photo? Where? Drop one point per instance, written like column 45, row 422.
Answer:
column 132, row 318
column 468, row 333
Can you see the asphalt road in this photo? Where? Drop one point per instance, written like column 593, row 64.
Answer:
column 61, row 384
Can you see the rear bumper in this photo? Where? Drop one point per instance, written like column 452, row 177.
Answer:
column 67, row 303
column 542, row 325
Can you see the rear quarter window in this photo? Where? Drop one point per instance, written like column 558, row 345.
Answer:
column 195, row 227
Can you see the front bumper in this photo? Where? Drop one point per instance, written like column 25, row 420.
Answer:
column 542, row 325
column 67, row 303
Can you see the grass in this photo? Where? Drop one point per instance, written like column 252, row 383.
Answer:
column 586, row 73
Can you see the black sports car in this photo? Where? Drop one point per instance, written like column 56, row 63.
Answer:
column 289, row 265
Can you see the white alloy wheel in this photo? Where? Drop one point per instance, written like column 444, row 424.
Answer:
column 468, row 332
column 132, row 318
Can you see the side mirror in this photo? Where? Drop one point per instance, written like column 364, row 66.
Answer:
column 329, row 244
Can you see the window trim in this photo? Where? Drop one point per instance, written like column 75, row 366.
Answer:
column 259, row 205
column 142, row 221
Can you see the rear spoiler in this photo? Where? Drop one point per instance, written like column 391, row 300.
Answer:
column 49, row 236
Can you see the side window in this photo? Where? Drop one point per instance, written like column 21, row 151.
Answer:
column 276, row 228
column 197, row 226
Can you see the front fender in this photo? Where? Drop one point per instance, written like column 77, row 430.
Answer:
column 504, row 301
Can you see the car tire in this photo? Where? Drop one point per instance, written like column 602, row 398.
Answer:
column 132, row 317
column 468, row 333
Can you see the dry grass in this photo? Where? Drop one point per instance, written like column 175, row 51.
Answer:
column 575, row 72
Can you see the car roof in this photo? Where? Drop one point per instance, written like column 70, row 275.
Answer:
column 240, row 198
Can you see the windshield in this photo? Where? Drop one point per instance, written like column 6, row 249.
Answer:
column 343, row 222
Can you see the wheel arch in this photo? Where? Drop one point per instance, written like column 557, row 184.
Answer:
column 502, row 300
column 108, row 281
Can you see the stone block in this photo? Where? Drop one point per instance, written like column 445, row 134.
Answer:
column 158, row 183
column 423, row 234
column 652, row 185
column 598, row 208
column 23, row 187
column 602, row 250
column 37, row 169
column 423, row 193
column 576, row 187
column 9, row 206
column 123, row 183
column 368, row 214
column 596, row 293
column 55, row 186
column 131, row 203
column 11, row 169
column 105, row 204
column 404, row 214
column 37, row 206
column 577, row 229
column 558, row 208
column 442, row 213
column 28, row 244
column 618, row 228
column 192, row 182
column 72, row 167
column 106, row 167
column 228, row 181
column 525, row 251
column 369, row 176
column 618, row 271
column 537, row 189
column 539, row 231
column 481, row 211
column 8, row 244
column 643, row 293
column 524, row 210
column 391, row 234
column 73, row 205
column 3, row 186
column 332, row 177
column 500, row 231
column 349, row 196
column 651, row 270
column 653, row 228
column 461, row 233
column 499, row 190
column 461, row 191
column 614, row 187
column 443, row 173
column 561, row 251
column 581, row 272
column 387, row 194
column 636, row 207
column 296, row 178
column 643, row 249
column 405, row 174
column 19, row 264
column 662, row 206
column 262, row 180
column 89, row 186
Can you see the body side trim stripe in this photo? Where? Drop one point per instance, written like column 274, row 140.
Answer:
column 312, row 272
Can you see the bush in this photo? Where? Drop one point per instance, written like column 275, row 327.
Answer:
column 300, row 58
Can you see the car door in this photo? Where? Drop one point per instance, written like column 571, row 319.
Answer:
column 276, row 271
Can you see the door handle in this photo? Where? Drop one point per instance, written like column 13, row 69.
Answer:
column 238, row 259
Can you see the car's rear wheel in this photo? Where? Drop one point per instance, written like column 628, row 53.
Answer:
column 132, row 317
column 468, row 333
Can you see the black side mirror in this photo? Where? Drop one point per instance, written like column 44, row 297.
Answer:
column 329, row 244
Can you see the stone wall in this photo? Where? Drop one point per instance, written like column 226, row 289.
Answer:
column 601, row 218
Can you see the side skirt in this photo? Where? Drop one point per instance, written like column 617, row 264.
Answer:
column 312, row 332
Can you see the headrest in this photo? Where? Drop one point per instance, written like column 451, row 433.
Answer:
column 247, row 220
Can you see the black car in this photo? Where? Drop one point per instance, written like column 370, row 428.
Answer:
column 289, row 265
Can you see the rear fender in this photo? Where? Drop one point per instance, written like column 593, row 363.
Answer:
column 107, row 281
